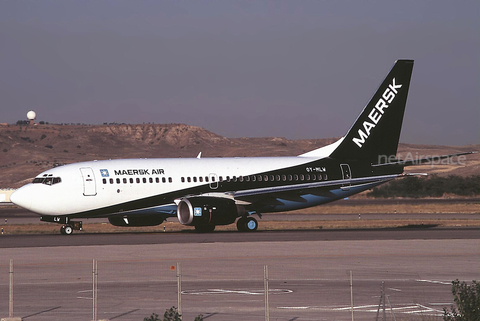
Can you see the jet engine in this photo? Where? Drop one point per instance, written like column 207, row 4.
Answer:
column 204, row 210
column 136, row 220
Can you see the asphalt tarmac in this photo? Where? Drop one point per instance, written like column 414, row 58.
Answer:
column 222, row 273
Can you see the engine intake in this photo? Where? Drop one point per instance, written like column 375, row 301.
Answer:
column 205, row 210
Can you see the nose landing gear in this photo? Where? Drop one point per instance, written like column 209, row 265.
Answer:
column 66, row 230
column 68, row 226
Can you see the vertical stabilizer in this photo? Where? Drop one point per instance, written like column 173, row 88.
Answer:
column 376, row 132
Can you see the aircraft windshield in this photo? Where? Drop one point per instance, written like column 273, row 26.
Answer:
column 47, row 180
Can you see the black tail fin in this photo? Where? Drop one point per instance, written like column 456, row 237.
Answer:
column 375, row 133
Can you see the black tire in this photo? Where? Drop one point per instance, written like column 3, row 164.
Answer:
column 66, row 230
column 204, row 228
column 251, row 224
column 242, row 224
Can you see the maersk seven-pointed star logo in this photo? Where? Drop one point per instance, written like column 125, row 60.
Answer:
column 104, row 172
column 197, row 211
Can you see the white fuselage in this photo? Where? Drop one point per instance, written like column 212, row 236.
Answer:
column 97, row 184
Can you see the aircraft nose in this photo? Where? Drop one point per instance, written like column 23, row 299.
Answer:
column 22, row 197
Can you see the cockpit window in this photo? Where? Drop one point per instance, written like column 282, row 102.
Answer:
column 47, row 180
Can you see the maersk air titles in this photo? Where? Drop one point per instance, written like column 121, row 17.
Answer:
column 376, row 113
column 206, row 192
column 133, row 172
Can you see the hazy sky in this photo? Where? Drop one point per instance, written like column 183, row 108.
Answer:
column 296, row 69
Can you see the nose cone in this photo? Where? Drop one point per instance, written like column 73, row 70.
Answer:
column 22, row 197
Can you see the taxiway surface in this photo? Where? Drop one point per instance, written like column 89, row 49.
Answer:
column 223, row 273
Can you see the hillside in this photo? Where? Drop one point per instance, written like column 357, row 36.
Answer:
column 26, row 150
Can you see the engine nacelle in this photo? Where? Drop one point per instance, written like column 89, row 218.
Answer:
column 136, row 220
column 204, row 210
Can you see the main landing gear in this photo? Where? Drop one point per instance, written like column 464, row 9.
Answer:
column 247, row 224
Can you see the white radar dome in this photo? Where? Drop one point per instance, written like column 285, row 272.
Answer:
column 31, row 115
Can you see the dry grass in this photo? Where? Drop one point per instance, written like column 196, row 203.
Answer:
column 172, row 227
column 343, row 207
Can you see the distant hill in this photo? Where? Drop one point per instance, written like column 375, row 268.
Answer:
column 27, row 150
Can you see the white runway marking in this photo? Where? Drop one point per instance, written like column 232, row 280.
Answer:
column 82, row 297
column 435, row 282
column 408, row 309
column 393, row 289
column 248, row 292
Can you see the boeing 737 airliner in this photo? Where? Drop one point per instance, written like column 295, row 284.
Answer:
column 205, row 192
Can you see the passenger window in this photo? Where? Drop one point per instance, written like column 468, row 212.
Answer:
column 295, row 177
column 314, row 177
column 170, row 180
column 194, row 179
column 157, row 180
column 206, row 179
column 104, row 181
column 183, row 179
column 164, row 180
column 290, row 178
column 189, row 179
column 138, row 180
column 118, row 180
column 131, row 180
column 302, row 177
column 326, row 177
column 284, row 178
column 254, row 178
column 200, row 179
column 111, row 180
column 319, row 177
column 150, row 180
column 307, row 177
column 220, row 179
column 124, row 181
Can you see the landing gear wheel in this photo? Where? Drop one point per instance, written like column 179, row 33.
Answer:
column 66, row 230
column 204, row 228
column 242, row 224
column 251, row 224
